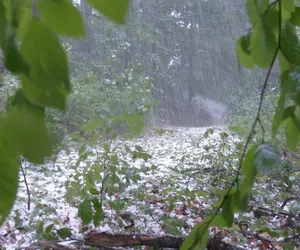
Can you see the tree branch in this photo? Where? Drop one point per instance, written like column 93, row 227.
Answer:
column 156, row 241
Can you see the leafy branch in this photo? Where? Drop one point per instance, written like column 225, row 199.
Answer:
column 32, row 51
column 234, row 199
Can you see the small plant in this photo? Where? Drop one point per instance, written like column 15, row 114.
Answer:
column 101, row 175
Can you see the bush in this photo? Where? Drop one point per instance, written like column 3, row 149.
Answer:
column 95, row 98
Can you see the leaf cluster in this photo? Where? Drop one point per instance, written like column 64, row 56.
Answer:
column 273, row 35
column 29, row 40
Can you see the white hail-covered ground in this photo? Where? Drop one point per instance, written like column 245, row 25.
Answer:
column 172, row 178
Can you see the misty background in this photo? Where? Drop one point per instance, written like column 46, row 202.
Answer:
column 173, row 60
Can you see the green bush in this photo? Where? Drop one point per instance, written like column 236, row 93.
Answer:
column 98, row 98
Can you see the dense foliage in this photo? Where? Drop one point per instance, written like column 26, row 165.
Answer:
column 97, row 101
column 42, row 67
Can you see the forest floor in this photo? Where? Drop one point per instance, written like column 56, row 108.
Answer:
column 167, row 193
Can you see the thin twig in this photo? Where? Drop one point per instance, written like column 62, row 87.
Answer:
column 102, row 189
column 288, row 200
column 263, row 130
column 26, row 184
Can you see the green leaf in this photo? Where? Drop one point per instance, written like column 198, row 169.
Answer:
column 241, row 198
column 13, row 59
column 98, row 215
column 85, row 212
column 252, row 11
column 114, row 159
column 283, row 62
column 290, row 43
column 285, row 14
column 96, row 203
column 267, row 159
column 94, row 191
column 116, row 10
column 249, row 172
column 31, row 137
column 292, row 135
column 224, row 135
column 64, row 232
column 208, row 132
column 106, row 147
column 116, row 204
column 62, row 17
column 136, row 123
column 288, row 112
column 140, row 153
column 238, row 129
column 3, row 25
column 92, row 125
column 286, row 86
column 9, row 176
column 26, row 129
column 249, row 169
column 49, row 228
column 44, row 91
column 277, row 116
column 289, row 5
column 248, row 162
column 171, row 229
column 219, row 221
column 263, row 44
column 49, row 83
column 255, row 9
column 40, row 227
column 271, row 18
column 19, row 16
column 296, row 122
column 228, row 209
column 197, row 239
column 262, row 6
column 295, row 16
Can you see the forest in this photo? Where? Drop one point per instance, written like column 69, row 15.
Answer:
column 130, row 124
